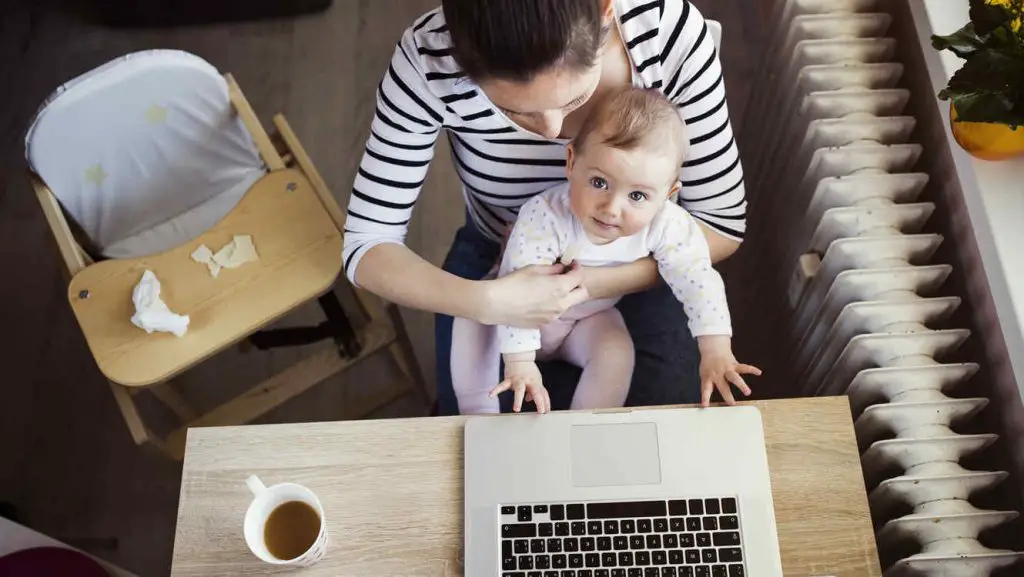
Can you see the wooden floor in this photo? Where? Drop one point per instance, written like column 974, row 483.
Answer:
column 66, row 459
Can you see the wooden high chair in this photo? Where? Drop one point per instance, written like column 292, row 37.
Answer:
column 287, row 209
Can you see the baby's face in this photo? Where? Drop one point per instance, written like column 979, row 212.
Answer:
column 616, row 193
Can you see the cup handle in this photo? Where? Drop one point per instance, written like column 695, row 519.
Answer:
column 255, row 485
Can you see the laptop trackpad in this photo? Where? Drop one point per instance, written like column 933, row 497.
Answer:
column 619, row 454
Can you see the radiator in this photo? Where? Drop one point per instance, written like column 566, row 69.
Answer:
column 833, row 167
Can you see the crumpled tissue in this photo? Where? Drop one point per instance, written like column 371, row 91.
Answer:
column 232, row 255
column 151, row 313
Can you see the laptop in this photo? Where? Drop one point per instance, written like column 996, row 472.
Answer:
column 619, row 493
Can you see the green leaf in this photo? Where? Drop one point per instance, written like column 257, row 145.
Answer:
column 987, row 18
column 978, row 107
column 988, row 70
column 988, row 88
column 963, row 42
column 1003, row 38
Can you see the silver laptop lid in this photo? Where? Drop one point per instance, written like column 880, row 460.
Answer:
column 520, row 463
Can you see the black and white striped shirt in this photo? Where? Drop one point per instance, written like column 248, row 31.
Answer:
column 502, row 165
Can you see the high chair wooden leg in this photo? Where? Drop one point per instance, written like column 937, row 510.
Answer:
column 169, row 396
column 140, row 433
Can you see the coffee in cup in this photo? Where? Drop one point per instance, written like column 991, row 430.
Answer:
column 285, row 524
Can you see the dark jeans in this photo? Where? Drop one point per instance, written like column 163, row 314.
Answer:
column 667, row 360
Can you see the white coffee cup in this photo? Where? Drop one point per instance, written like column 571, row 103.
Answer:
column 265, row 500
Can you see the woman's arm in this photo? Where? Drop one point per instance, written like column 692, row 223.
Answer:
column 616, row 281
column 720, row 246
column 400, row 146
column 712, row 175
column 399, row 275
column 528, row 297
column 403, row 132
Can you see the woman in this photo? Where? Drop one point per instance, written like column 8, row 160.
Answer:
column 510, row 81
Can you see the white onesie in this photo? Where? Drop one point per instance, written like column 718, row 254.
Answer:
column 546, row 228
column 592, row 334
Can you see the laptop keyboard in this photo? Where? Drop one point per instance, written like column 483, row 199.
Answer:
column 664, row 538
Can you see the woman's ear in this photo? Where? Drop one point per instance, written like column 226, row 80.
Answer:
column 674, row 191
column 607, row 9
column 570, row 159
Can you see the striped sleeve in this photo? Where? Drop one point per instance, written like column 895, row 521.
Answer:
column 712, row 176
column 403, row 132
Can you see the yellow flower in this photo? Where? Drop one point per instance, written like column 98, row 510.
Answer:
column 1004, row 3
column 1015, row 25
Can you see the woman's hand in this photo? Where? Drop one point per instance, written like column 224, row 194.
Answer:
column 533, row 296
column 523, row 377
column 620, row 280
column 719, row 368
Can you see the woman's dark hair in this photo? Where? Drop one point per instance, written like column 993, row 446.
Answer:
column 516, row 39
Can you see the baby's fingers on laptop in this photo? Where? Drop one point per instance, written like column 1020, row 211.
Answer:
column 520, row 394
column 726, row 391
column 543, row 401
column 748, row 370
column 737, row 381
column 706, row 388
column 539, row 395
column 501, row 388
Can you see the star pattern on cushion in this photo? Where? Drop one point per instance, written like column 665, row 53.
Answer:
column 156, row 114
column 95, row 174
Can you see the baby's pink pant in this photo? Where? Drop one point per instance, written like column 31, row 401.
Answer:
column 598, row 343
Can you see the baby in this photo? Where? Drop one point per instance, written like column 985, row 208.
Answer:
column 623, row 166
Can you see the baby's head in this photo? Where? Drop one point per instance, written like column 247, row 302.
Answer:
column 624, row 162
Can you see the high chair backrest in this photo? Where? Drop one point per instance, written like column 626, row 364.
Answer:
column 144, row 152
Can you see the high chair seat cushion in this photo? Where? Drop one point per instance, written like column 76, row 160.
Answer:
column 145, row 152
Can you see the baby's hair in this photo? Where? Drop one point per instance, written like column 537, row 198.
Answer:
column 629, row 117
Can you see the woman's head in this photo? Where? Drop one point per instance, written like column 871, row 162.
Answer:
column 624, row 163
column 536, row 59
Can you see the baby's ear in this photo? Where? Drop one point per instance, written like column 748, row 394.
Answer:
column 570, row 159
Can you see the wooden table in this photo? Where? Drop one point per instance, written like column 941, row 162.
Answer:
column 392, row 492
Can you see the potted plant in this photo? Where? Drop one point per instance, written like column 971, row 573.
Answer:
column 987, row 93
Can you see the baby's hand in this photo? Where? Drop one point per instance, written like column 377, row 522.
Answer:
column 719, row 368
column 523, row 377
